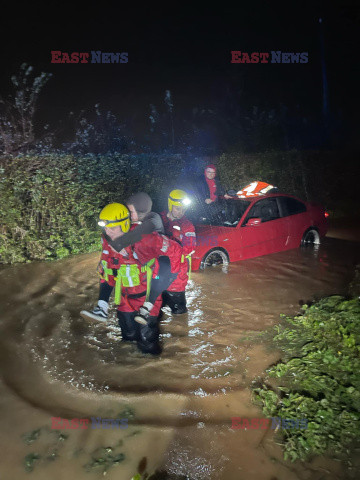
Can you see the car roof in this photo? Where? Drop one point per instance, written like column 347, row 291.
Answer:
column 270, row 195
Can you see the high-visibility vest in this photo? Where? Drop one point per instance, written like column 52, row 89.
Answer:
column 188, row 258
column 254, row 189
column 128, row 275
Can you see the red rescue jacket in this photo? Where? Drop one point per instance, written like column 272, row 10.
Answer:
column 114, row 260
column 155, row 245
column 183, row 234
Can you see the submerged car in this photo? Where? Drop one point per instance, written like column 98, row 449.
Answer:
column 253, row 227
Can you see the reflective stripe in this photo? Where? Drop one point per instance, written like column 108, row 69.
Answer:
column 165, row 244
column 264, row 190
column 117, row 294
column 255, row 189
column 251, row 187
column 188, row 257
column 128, row 275
column 107, row 271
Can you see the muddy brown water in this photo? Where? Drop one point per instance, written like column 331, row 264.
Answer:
column 54, row 364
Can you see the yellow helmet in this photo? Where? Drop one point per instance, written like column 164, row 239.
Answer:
column 178, row 198
column 115, row 214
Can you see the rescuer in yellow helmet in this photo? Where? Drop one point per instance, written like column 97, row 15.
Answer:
column 114, row 219
column 118, row 236
column 179, row 228
column 149, row 222
column 114, row 215
column 178, row 201
column 131, row 280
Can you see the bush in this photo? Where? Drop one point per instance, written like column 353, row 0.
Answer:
column 50, row 204
column 319, row 378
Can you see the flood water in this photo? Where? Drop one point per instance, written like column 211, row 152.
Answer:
column 55, row 364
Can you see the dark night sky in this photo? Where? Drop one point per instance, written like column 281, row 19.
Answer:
column 186, row 50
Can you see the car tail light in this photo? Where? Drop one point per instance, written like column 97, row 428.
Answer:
column 326, row 214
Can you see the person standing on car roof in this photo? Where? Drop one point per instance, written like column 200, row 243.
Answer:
column 179, row 228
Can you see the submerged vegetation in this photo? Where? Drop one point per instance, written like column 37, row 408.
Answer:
column 54, row 441
column 104, row 458
column 318, row 378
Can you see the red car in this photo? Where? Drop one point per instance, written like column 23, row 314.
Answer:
column 259, row 226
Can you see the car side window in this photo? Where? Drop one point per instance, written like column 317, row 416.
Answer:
column 266, row 209
column 291, row 206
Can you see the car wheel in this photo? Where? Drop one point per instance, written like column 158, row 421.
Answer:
column 213, row 258
column 310, row 238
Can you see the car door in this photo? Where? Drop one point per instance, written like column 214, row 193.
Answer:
column 297, row 218
column 269, row 235
column 229, row 237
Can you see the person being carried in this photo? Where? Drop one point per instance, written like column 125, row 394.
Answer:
column 169, row 259
column 139, row 205
column 131, row 280
column 146, row 221
column 180, row 229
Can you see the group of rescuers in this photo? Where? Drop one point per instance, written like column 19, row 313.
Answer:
column 146, row 260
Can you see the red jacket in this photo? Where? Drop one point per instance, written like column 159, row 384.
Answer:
column 184, row 234
column 155, row 245
column 115, row 259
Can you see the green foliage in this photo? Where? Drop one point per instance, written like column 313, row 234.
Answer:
column 49, row 205
column 319, row 378
column 103, row 459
